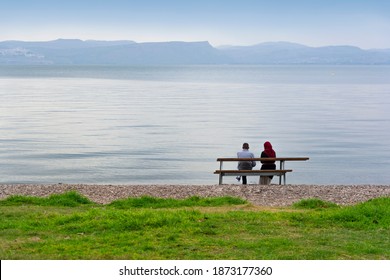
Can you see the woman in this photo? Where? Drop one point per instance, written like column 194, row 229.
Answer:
column 267, row 165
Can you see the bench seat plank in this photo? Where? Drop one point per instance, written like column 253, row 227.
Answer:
column 265, row 159
column 253, row 172
column 279, row 173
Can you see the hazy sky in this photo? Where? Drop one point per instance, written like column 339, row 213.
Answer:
column 363, row 23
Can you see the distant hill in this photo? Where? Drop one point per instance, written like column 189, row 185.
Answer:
column 291, row 53
column 108, row 52
column 77, row 52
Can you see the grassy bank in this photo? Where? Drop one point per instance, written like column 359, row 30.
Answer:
column 69, row 226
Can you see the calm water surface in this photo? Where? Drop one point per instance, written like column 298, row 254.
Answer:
column 165, row 125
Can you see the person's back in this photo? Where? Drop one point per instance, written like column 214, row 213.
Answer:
column 267, row 165
column 245, row 165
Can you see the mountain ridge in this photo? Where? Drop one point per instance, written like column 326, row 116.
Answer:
column 126, row 52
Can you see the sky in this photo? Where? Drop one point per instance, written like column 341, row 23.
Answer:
column 362, row 23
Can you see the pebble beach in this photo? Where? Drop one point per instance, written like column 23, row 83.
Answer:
column 259, row 195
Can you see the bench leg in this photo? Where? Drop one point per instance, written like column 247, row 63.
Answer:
column 264, row 180
column 284, row 175
column 220, row 179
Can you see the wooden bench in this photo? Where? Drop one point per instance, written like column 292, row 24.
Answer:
column 281, row 172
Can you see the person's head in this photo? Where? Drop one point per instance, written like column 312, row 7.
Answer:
column 245, row 146
column 267, row 146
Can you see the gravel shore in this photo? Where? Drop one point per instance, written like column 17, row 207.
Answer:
column 260, row 195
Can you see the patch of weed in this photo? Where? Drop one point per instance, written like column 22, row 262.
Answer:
column 374, row 213
column 155, row 203
column 314, row 203
column 68, row 199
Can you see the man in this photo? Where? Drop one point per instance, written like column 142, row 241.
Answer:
column 245, row 165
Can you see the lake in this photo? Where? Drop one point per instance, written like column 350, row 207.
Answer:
column 168, row 124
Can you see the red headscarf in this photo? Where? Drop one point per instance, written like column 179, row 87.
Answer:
column 268, row 150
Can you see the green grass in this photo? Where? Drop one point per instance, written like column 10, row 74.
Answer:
column 314, row 203
column 153, row 202
column 69, row 226
column 70, row 199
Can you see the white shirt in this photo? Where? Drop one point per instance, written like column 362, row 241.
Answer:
column 245, row 165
